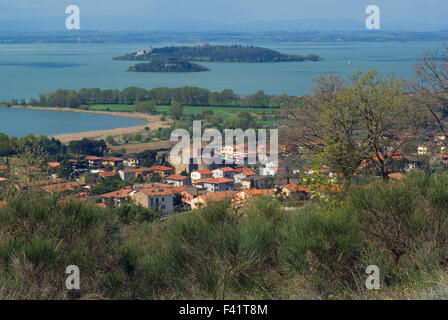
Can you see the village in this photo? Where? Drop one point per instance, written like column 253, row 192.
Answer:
column 170, row 188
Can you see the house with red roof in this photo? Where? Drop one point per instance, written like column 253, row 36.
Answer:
column 157, row 197
column 112, row 161
column 162, row 170
column 107, row 174
column 224, row 172
column 243, row 173
column 119, row 196
column 94, row 161
column 202, row 200
column 177, row 180
column 201, row 174
column 214, row 184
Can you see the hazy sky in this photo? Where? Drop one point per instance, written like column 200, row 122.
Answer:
column 228, row 11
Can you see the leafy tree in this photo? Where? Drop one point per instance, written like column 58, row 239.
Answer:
column 242, row 120
column 175, row 111
column 145, row 107
column 110, row 140
column 258, row 99
column 65, row 169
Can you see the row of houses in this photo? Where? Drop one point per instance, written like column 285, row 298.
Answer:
column 161, row 196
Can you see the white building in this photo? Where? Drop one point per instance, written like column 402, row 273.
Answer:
column 177, row 180
column 201, row 174
column 161, row 199
column 225, row 172
column 214, row 184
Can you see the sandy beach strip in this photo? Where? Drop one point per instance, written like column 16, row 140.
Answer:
column 152, row 121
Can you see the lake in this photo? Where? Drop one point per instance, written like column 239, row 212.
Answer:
column 29, row 69
column 21, row 122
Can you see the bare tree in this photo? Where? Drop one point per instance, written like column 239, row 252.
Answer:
column 431, row 87
column 371, row 121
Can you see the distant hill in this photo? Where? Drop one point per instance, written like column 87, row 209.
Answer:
column 213, row 53
column 168, row 65
column 229, row 37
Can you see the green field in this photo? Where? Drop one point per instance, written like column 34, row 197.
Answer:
column 112, row 107
column 223, row 112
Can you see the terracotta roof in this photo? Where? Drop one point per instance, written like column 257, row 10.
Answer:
column 226, row 169
column 93, row 158
column 59, row 187
column 296, row 188
column 176, row 177
column 260, row 192
column 3, row 179
column 214, row 180
column 54, row 164
column 2, row 203
column 180, row 189
column 107, row 174
column 162, row 168
column 218, row 196
column 253, row 192
column 3, row 167
column 122, row 193
column 143, row 169
column 204, row 171
column 157, row 192
column 246, row 171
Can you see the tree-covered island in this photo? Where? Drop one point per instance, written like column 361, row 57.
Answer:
column 217, row 53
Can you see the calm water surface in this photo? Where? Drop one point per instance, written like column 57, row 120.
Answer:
column 29, row 69
column 21, row 122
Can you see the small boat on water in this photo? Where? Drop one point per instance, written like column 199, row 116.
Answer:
column 350, row 62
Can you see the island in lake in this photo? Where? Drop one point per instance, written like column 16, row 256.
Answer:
column 216, row 53
column 168, row 65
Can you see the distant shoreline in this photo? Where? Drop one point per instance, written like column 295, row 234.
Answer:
column 152, row 121
column 145, row 37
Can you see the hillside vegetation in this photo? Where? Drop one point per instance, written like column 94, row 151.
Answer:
column 319, row 251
